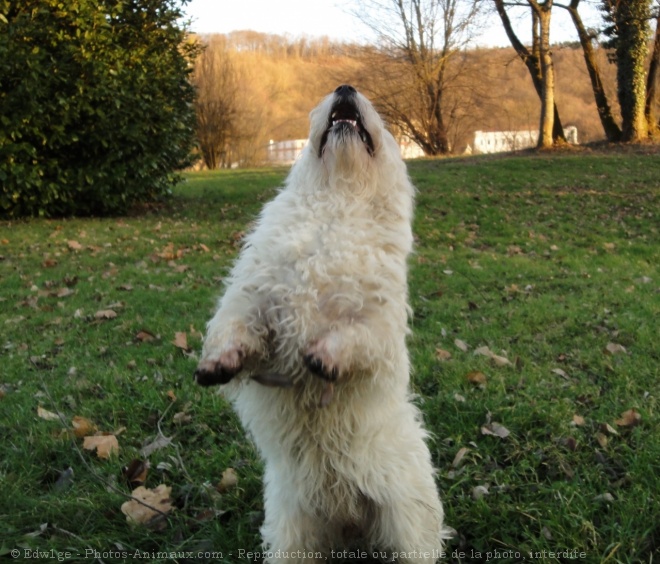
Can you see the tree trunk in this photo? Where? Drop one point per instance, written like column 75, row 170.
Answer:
column 547, row 77
column 610, row 127
column 651, row 81
column 631, row 54
column 533, row 66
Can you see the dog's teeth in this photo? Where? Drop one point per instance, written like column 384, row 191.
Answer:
column 351, row 121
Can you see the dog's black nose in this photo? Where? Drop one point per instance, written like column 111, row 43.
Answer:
column 345, row 90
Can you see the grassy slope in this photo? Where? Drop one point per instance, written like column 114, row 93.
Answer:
column 544, row 259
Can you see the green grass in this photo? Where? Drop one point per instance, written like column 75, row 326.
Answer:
column 544, row 259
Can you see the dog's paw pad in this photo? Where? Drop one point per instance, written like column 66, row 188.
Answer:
column 316, row 366
column 221, row 370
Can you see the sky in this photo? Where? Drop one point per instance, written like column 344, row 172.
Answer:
column 332, row 18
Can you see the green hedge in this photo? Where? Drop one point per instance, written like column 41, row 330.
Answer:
column 95, row 104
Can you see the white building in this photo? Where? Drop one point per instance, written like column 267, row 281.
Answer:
column 286, row 152
column 503, row 141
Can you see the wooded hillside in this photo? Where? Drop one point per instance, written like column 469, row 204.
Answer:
column 273, row 82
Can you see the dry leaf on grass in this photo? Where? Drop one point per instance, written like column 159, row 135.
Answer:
column 477, row 378
column 47, row 415
column 462, row 345
column 500, row 360
column 479, row 491
column 181, row 340
column 602, row 439
column 629, row 418
column 442, row 354
column 578, row 420
column 105, row 445
column 560, row 372
column 608, row 429
column 63, row 293
column 136, row 472
column 181, row 418
column 497, row 360
column 614, row 348
column 145, row 336
column 228, row 481
column 458, row 459
column 82, row 427
column 496, row 429
column 158, row 502
column 161, row 441
column 105, row 314
column 74, row 245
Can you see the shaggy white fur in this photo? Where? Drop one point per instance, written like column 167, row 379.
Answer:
column 316, row 309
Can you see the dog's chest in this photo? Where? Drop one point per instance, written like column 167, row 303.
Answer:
column 326, row 262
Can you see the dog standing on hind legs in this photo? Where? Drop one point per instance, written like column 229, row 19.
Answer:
column 308, row 343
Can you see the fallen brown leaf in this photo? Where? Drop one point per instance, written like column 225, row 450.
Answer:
column 494, row 428
column 181, row 418
column 500, row 360
column 105, row 445
column 161, row 441
column 442, row 354
column 82, row 427
column 608, row 429
column 462, row 345
column 171, row 395
column 228, row 481
column 602, row 439
column 47, row 415
column 145, row 336
column 479, row 491
column 614, row 348
column 483, row 351
column 477, row 378
column 63, row 293
column 629, row 418
column 105, row 314
column 560, row 372
column 158, row 502
column 136, row 472
column 74, row 245
column 578, row 420
column 181, row 340
column 460, row 455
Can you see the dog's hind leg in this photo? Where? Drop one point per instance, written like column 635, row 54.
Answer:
column 410, row 529
column 290, row 535
column 405, row 514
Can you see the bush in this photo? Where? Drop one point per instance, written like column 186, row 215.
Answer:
column 95, row 104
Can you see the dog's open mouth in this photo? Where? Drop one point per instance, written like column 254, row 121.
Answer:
column 345, row 119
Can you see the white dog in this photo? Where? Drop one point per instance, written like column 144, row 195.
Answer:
column 309, row 342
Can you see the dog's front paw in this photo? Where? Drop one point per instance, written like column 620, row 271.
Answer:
column 321, row 358
column 220, row 368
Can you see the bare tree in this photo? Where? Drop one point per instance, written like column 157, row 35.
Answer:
column 539, row 63
column 216, row 83
column 610, row 127
column 409, row 73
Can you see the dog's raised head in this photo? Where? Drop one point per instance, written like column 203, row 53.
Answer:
column 345, row 129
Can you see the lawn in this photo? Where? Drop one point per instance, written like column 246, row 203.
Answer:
column 536, row 293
